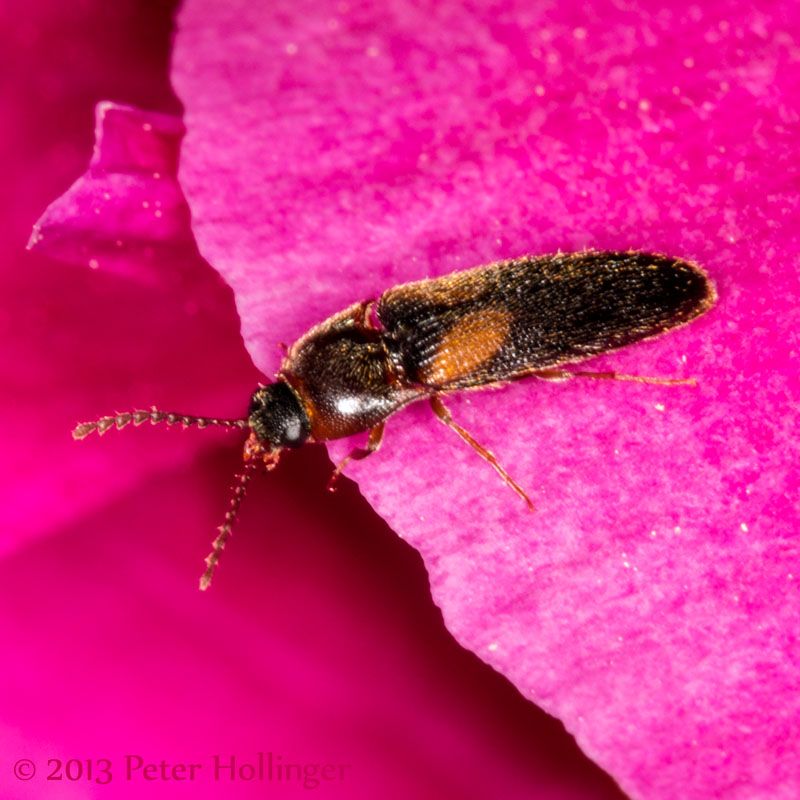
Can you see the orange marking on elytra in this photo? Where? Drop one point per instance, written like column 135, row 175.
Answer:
column 472, row 341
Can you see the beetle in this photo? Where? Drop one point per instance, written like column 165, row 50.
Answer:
column 525, row 317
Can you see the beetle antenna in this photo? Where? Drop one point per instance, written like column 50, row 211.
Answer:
column 225, row 529
column 155, row 416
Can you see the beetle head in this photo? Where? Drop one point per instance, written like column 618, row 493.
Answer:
column 276, row 419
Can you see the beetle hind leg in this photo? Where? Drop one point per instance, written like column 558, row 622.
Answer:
column 373, row 445
column 566, row 375
column 444, row 415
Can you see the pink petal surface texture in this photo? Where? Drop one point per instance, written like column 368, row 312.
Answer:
column 127, row 213
column 318, row 641
column 336, row 149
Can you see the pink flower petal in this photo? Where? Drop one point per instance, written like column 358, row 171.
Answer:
column 326, row 646
column 91, row 340
column 127, row 213
column 335, row 150
column 273, row 659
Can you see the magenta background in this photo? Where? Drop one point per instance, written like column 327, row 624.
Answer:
column 336, row 149
column 319, row 639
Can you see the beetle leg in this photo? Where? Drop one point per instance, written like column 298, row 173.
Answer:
column 444, row 415
column 565, row 375
column 373, row 444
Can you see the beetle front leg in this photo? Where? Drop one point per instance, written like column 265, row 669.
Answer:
column 373, row 445
column 444, row 415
